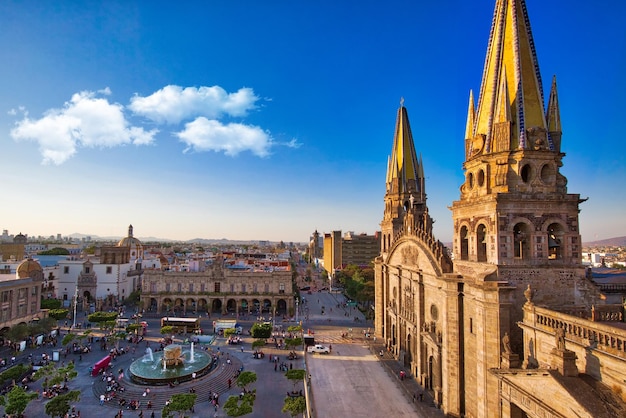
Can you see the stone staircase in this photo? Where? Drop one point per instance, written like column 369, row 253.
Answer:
column 215, row 381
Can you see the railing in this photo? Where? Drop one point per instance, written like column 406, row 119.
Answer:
column 605, row 337
column 607, row 313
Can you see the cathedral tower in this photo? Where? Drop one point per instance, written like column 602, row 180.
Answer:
column 404, row 183
column 514, row 206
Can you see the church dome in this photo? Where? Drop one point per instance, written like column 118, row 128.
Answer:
column 134, row 246
column 29, row 268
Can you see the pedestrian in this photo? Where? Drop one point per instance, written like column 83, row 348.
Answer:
column 242, row 348
column 229, row 383
column 275, row 366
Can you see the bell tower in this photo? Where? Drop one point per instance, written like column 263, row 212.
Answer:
column 405, row 189
column 514, row 208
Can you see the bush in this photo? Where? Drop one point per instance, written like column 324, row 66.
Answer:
column 13, row 373
column 50, row 304
column 58, row 313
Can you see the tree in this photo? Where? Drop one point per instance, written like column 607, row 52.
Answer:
column 237, row 406
column 50, row 304
column 101, row 316
column 295, row 375
column 59, row 406
column 58, row 314
column 17, row 332
column 263, row 330
column 293, row 342
column 260, row 342
column 16, row 400
column 167, row 330
column 180, row 403
column 294, row 406
column 230, row 331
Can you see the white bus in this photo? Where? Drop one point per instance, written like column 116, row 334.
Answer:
column 182, row 325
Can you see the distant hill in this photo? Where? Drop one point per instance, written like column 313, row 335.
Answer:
column 609, row 242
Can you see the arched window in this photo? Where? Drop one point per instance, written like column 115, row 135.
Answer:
column 464, row 240
column 521, row 238
column 555, row 240
column 481, row 243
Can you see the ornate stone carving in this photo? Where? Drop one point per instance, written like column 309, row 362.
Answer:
column 537, row 138
column 409, row 255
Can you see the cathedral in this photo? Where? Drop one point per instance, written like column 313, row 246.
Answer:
column 507, row 323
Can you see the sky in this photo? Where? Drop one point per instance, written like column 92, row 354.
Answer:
column 268, row 120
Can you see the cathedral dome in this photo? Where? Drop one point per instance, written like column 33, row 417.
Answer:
column 29, row 268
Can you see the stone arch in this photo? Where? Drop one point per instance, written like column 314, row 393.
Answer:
column 202, row 305
column 281, row 307
column 190, row 305
column 522, row 235
column 216, row 305
column 411, row 251
column 555, row 229
column 243, row 306
column 167, row 305
column 179, row 305
column 267, row 306
column 256, row 306
column 464, row 242
column 231, row 305
column 153, row 305
column 481, row 242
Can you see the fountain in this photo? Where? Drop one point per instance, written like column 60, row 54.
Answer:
column 173, row 364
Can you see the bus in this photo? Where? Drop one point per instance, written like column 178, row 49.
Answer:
column 182, row 325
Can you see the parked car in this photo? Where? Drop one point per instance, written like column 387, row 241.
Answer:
column 319, row 348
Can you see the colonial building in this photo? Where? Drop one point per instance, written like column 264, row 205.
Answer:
column 20, row 294
column 513, row 328
column 220, row 287
column 105, row 278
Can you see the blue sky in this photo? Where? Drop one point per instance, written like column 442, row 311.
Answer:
column 268, row 120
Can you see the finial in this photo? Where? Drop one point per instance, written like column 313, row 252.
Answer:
column 401, row 101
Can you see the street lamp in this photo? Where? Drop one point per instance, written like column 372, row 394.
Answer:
column 297, row 301
column 75, row 303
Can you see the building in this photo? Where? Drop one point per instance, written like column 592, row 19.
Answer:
column 222, row 287
column 514, row 327
column 105, row 278
column 351, row 248
column 20, row 294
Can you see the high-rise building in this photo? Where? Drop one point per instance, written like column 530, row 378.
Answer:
column 351, row 248
column 512, row 328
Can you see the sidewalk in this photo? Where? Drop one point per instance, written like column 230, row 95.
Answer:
column 410, row 386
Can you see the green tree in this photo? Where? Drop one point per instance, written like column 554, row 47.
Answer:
column 294, row 406
column 58, row 314
column 259, row 342
column 50, row 303
column 181, row 403
column 237, row 406
column 167, row 330
column 16, row 400
column 295, row 375
column 261, row 330
column 293, row 342
column 229, row 332
column 60, row 404
column 101, row 316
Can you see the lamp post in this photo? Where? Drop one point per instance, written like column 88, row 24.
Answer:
column 75, row 303
column 297, row 301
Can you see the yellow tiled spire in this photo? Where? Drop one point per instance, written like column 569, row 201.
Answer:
column 511, row 79
column 404, row 169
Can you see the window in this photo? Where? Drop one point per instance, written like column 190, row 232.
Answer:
column 167, row 287
column 153, row 287
column 281, row 288
column 267, row 288
column 4, row 315
column 180, row 287
column 5, row 297
column 33, row 291
column 243, row 288
column 190, row 287
column 232, row 288
column 66, row 270
column 202, row 288
column 254, row 288
column 87, row 270
column 217, row 287
column 109, row 269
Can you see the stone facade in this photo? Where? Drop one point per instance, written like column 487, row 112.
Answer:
column 512, row 328
column 219, row 290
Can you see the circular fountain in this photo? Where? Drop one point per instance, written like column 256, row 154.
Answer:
column 173, row 364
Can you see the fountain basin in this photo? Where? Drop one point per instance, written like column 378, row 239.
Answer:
column 149, row 370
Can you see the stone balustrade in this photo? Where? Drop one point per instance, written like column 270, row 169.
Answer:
column 603, row 337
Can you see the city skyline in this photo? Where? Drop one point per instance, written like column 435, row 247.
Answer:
column 257, row 122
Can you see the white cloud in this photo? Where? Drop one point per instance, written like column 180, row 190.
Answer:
column 293, row 143
column 86, row 121
column 211, row 135
column 174, row 104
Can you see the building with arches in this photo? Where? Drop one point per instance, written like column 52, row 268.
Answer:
column 510, row 325
column 220, row 288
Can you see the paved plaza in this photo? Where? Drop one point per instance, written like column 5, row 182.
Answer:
column 351, row 381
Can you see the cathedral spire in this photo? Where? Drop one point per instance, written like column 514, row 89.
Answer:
column 511, row 61
column 403, row 175
column 553, row 117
